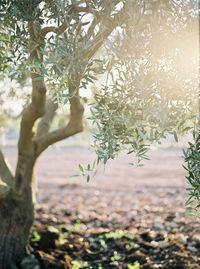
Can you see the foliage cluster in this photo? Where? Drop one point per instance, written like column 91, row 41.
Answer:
column 150, row 89
column 149, row 67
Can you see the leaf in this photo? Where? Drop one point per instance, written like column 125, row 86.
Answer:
column 93, row 165
column 190, row 208
column 189, row 201
column 85, row 23
column 88, row 167
column 37, row 67
column 76, row 175
column 44, row 71
column 36, row 237
column 53, row 229
column 38, row 78
column 13, row 75
column 175, row 136
column 88, row 178
column 190, row 215
column 140, row 165
column 143, row 135
column 81, row 168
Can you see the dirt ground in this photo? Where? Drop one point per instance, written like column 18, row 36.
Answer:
column 125, row 217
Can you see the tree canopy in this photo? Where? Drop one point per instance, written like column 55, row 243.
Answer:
column 149, row 65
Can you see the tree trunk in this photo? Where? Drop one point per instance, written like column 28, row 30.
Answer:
column 16, row 218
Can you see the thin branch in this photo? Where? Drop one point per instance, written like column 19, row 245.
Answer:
column 98, row 16
column 60, row 29
column 44, row 124
column 5, row 170
column 48, row 29
column 110, row 25
column 91, row 28
column 74, row 126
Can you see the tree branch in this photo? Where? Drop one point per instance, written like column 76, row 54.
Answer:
column 5, row 170
column 110, row 25
column 74, row 126
column 76, row 108
column 60, row 29
column 38, row 101
column 44, row 124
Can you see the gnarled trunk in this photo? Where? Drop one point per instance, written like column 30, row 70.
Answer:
column 17, row 194
column 16, row 221
column 16, row 217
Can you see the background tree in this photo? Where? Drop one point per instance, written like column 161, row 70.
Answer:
column 52, row 45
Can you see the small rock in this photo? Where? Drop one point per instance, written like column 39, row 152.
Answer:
column 159, row 226
column 30, row 262
column 182, row 239
column 154, row 244
column 159, row 244
column 173, row 225
column 170, row 217
column 196, row 237
column 155, row 266
column 157, row 250
column 163, row 244
column 192, row 249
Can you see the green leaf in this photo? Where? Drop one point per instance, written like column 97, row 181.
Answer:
column 190, row 208
column 88, row 167
column 88, row 178
column 189, row 201
column 93, row 165
column 143, row 135
column 53, row 229
column 13, row 75
column 36, row 237
column 37, row 67
column 38, row 78
column 175, row 136
column 190, row 215
column 44, row 71
column 81, row 168
column 76, row 175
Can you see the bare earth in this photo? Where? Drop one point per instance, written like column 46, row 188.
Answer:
column 147, row 202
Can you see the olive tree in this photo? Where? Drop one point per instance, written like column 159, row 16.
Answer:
column 52, row 44
column 55, row 46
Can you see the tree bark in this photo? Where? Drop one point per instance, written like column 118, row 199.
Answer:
column 16, row 220
column 5, row 170
column 17, row 196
